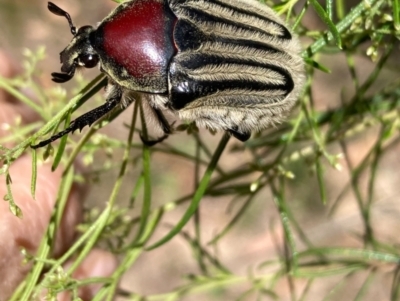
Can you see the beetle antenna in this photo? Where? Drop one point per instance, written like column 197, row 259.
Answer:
column 60, row 12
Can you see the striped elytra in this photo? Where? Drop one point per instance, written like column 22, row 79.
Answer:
column 244, row 72
column 229, row 65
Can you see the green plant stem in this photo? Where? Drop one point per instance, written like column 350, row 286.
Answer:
column 341, row 26
column 198, row 194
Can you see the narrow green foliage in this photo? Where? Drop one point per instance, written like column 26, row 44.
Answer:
column 198, row 195
column 320, row 177
column 10, row 199
column 240, row 212
column 396, row 15
column 340, row 9
column 317, row 65
column 61, row 147
column 290, row 244
column 367, row 285
column 136, row 190
column 146, row 179
column 302, row 207
column 395, row 292
column 34, row 173
column 326, row 16
column 329, row 9
column 341, row 26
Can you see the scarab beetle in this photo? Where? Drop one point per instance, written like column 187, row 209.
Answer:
column 228, row 65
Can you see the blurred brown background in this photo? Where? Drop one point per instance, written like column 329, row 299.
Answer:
column 28, row 24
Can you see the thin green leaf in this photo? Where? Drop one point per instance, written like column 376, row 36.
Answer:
column 321, row 182
column 395, row 290
column 340, row 9
column 329, row 270
column 328, row 21
column 341, row 26
column 5, row 85
column 329, row 9
column 34, row 174
column 396, row 15
column 361, row 254
column 369, row 281
column 233, row 221
column 197, row 196
column 146, row 178
column 300, row 16
column 317, row 65
column 10, row 199
column 49, row 238
column 136, row 190
column 61, row 147
column 292, row 257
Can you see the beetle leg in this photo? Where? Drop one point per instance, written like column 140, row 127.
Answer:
column 164, row 124
column 151, row 142
column 61, row 77
column 240, row 136
column 86, row 119
column 155, row 116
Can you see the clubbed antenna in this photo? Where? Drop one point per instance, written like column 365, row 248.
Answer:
column 60, row 12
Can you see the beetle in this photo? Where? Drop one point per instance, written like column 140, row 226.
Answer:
column 229, row 65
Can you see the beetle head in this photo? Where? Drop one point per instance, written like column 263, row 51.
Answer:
column 79, row 52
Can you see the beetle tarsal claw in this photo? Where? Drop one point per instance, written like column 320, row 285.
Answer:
column 240, row 136
column 151, row 142
column 61, row 77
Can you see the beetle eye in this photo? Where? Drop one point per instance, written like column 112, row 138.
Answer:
column 89, row 60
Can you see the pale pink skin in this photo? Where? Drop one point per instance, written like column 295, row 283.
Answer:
column 98, row 263
column 26, row 232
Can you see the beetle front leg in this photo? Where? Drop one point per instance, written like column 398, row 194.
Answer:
column 151, row 110
column 88, row 118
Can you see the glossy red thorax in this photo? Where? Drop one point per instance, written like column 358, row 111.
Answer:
column 139, row 38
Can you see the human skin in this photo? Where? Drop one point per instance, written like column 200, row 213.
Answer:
column 26, row 232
